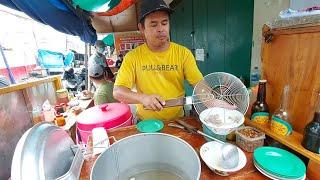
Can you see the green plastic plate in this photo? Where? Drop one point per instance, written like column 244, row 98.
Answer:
column 279, row 162
column 150, row 125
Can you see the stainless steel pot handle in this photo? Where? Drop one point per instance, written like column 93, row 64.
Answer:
column 75, row 168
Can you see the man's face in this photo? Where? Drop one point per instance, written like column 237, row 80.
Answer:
column 100, row 49
column 156, row 28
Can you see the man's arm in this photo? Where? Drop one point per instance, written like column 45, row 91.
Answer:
column 125, row 95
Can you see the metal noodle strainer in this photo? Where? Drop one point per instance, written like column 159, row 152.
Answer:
column 226, row 111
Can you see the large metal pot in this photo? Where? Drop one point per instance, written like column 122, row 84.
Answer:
column 145, row 154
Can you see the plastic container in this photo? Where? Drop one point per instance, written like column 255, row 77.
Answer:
column 49, row 115
column 59, row 109
column 108, row 116
column 249, row 138
column 37, row 115
column 62, row 96
column 59, row 120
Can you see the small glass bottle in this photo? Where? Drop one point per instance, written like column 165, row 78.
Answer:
column 311, row 137
column 60, row 121
column 280, row 122
column 37, row 115
column 255, row 76
column 260, row 108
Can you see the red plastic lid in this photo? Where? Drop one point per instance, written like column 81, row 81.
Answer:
column 106, row 115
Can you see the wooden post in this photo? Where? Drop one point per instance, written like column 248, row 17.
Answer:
column 58, row 83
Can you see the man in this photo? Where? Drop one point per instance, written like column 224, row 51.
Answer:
column 119, row 61
column 70, row 80
column 157, row 68
column 99, row 58
column 104, row 87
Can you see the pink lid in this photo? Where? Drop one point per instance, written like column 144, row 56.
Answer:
column 106, row 115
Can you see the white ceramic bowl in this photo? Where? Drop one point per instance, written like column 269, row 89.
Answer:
column 210, row 153
column 229, row 120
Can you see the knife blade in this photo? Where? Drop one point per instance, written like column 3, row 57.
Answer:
column 194, row 99
column 188, row 127
column 175, row 102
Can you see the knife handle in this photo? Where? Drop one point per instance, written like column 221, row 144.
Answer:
column 190, row 128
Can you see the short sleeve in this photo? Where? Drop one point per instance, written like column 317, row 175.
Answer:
column 190, row 69
column 126, row 75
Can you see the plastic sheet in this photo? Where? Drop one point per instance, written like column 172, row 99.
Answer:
column 39, row 94
column 16, row 116
column 14, row 121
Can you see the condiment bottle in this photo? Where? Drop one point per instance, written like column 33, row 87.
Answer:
column 59, row 109
column 280, row 123
column 260, row 108
column 59, row 120
column 311, row 137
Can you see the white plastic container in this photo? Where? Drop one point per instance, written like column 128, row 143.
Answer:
column 247, row 143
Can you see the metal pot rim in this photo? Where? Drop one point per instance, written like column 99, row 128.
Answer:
column 147, row 134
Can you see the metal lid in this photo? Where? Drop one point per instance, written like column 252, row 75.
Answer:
column 43, row 152
column 106, row 115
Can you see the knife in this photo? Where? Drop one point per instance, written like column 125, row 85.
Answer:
column 193, row 129
column 194, row 99
column 189, row 128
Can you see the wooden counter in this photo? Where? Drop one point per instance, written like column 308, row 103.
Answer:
column 196, row 141
column 34, row 82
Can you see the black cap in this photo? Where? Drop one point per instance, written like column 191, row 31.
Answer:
column 145, row 7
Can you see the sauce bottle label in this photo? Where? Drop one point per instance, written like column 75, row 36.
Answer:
column 260, row 118
column 280, row 126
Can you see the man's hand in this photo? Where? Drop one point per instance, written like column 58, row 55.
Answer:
column 219, row 103
column 204, row 88
column 153, row 102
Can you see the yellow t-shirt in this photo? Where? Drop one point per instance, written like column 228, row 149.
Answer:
column 161, row 73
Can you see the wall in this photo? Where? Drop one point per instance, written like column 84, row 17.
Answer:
column 222, row 28
column 264, row 11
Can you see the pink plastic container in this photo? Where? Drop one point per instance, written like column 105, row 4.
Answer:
column 109, row 116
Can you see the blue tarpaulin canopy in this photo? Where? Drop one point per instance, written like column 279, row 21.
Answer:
column 55, row 14
column 49, row 59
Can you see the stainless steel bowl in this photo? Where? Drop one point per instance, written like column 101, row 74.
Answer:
column 148, row 154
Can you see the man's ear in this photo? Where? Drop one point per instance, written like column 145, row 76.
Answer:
column 141, row 28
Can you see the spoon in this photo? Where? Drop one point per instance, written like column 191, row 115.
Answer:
column 229, row 152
